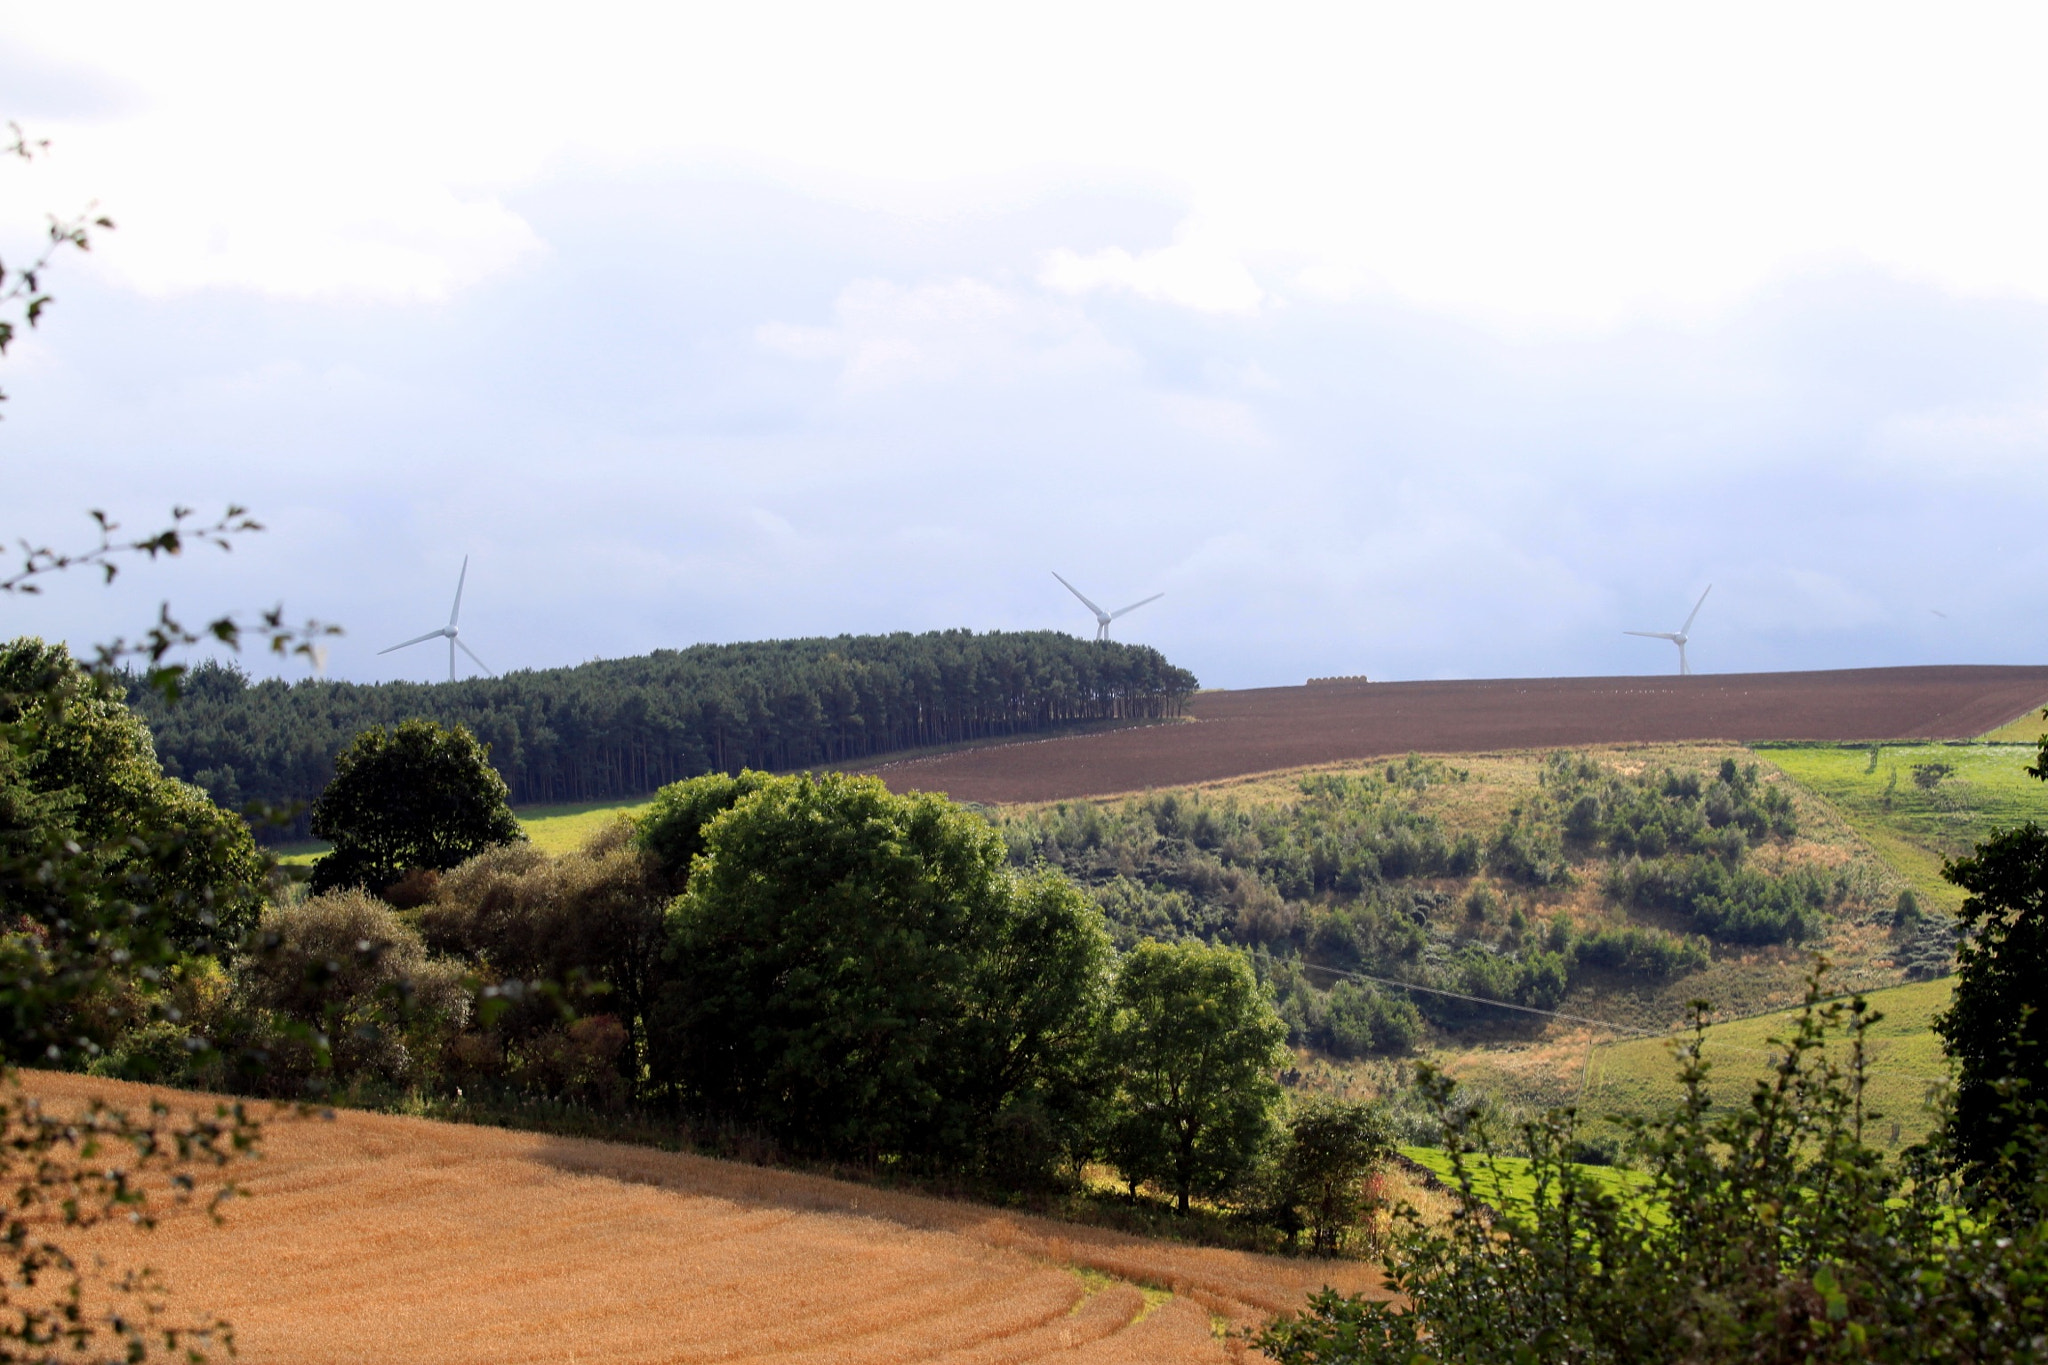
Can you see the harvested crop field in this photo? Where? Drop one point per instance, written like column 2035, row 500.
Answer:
column 1233, row 734
column 374, row 1237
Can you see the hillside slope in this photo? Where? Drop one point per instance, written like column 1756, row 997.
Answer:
column 371, row 1237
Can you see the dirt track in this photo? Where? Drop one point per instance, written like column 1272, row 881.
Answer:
column 369, row 1237
column 1254, row 731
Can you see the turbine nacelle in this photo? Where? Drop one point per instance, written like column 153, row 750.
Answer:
column 451, row 631
column 1103, row 618
column 1677, row 637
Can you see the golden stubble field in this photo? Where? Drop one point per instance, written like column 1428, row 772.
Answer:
column 368, row 1236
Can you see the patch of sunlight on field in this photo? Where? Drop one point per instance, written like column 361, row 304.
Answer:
column 552, row 829
column 1914, row 829
column 2026, row 728
column 562, row 829
column 301, row 855
column 1906, row 1064
column 1504, row 1182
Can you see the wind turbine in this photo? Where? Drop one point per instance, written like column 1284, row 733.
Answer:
column 1103, row 618
column 1677, row 637
column 450, row 630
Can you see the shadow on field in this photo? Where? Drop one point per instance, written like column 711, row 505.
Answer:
column 1243, row 1286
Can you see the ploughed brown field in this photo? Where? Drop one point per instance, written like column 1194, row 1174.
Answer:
column 1235, row 734
column 371, row 1237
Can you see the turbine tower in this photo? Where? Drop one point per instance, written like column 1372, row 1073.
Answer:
column 1103, row 618
column 451, row 630
column 1677, row 637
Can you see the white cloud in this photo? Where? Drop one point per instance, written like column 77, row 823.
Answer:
column 886, row 334
column 1224, row 420
column 1567, row 163
column 2006, row 443
column 1196, row 271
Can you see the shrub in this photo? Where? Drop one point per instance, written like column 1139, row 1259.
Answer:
column 345, row 965
column 589, row 924
column 1527, row 851
column 1639, row 951
column 1766, row 1233
column 578, row 1062
column 1330, row 1149
column 1740, row 905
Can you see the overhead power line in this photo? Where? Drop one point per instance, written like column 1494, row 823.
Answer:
column 1483, row 1000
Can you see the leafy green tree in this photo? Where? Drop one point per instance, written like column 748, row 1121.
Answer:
column 1193, row 1045
column 1332, row 1146
column 1996, row 1026
column 671, row 829
column 859, row 973
column 78, row 769
column 417, row 795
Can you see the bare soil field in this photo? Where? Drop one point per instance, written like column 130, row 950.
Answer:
column 1233, row 734
column 372, row 1237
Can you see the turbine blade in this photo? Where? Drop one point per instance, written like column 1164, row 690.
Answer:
column 1100, row 614
column 1686, row 629
column 1654, row 635
column 460, row 579
column 1135, row 605
column 472, row 654
column 415, row 640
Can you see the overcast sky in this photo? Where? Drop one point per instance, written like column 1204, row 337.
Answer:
column 1408, row 340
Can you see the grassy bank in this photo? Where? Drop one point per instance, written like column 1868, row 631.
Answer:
column 1917, row 805
column 1906, row 1065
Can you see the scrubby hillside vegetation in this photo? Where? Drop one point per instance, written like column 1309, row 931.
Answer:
column 1633, row 880
column 624, row 727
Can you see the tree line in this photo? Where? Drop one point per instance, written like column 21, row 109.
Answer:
column 809, row 961
column 620, row 728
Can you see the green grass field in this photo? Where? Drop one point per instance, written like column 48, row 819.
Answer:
column 561, row 829
column 1911, row 827
column 1906, row 1064
column 1504, row 1182
column 2023, row 729
column 553, row 829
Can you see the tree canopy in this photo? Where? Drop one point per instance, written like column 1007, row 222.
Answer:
column 1996, row 1026
column 625, row 727
column 77, row 768
column 1195, row 1043
column 859, row 973
column 418, row 795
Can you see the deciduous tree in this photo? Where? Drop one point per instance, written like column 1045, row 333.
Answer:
column 79, row 772
column 1193, row 1046
column 1332, row 1146
column 417, row 795
column 1996, row 1026
column 859, row 972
